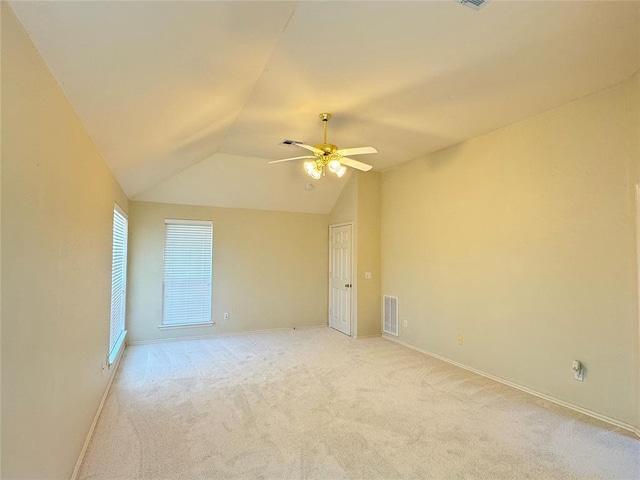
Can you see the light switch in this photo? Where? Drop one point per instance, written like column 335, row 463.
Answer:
column 367, row 275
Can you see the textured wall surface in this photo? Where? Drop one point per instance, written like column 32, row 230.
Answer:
column 57, row 212
column 523, row 241
column 269, row 269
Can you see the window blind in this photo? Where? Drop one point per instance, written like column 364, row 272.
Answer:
column 188, row 257
column 118, row 282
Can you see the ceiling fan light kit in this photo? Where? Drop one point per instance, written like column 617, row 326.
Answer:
column 327, row 156
column 314, row 170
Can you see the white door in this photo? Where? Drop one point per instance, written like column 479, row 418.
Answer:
column 340, row 278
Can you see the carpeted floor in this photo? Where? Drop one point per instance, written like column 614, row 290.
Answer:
column 316, row 404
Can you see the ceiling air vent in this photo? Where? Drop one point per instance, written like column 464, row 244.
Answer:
column 475, row 4
column 289, row 143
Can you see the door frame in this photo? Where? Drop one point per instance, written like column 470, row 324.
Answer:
column 637, row 205
column 354, row 287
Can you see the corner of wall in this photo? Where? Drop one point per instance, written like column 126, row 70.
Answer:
column 369, row 271
column 346, row 207
column 635, row 105
column 360, row 204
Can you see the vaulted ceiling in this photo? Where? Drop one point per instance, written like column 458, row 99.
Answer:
column 188, row 101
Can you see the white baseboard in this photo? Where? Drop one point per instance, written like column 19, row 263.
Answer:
column 114, row 366
column 215, row 335
column 599, row 416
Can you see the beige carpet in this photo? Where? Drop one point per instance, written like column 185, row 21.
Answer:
column 314, row 403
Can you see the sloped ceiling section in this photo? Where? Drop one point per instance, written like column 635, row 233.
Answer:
column 187, row 101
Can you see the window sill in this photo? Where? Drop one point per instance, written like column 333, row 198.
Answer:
column 117, row 349
column 185, row 325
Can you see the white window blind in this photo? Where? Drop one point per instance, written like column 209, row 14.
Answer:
column 188, row 258
column 118, row 282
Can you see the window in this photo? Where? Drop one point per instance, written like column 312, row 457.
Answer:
column 188, row 254
column 118, row 283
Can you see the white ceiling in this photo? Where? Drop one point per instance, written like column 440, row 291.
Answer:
column 187, row 101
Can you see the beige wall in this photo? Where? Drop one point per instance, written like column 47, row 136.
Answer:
column 635, row 108
column 346, row 208
column 57, row 206
column 359, row 203
column 523, row 241
column 369, row 296
column 269, row 269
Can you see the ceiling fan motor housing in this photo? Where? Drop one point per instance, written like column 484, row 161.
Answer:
column 327, row 148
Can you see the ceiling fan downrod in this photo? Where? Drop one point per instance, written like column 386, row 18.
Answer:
column 325, row 118
column 327, row 148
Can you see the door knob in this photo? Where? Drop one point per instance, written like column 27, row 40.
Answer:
column 347, row 285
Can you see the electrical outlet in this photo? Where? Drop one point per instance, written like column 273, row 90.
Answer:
column 460, row 340
column 405, row 323
column 226, row 316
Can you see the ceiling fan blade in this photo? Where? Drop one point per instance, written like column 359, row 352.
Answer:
column 349, row 162
column 310, row 148
column 289, row 159
column 356, row 151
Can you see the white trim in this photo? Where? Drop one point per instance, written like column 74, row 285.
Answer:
column 87, row 440
column 353, row 321
column 182, row 221
column 215, row 335
column 544, row 396
column 117, row 349
column 185, row 325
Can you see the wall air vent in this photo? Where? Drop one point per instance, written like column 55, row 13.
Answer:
column 390, row 318
column 475, row 4
column 289, row 143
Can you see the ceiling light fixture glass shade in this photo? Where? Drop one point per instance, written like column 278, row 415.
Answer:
column 316, row 168
column 309, row 166
column 316, row 174
column 334, row 166
column 313, row 169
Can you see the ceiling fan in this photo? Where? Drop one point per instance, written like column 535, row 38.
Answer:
column 327, row 156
